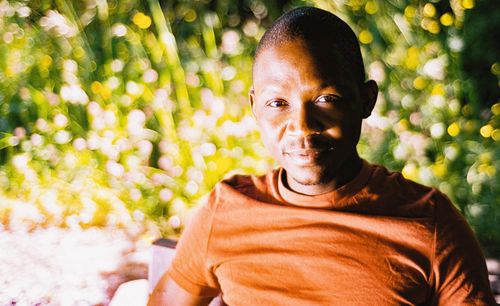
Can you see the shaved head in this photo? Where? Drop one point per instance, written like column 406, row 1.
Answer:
column 317, row 28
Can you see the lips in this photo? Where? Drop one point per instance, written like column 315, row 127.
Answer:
column 305, row 157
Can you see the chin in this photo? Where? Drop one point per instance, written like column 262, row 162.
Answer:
column 308, row 176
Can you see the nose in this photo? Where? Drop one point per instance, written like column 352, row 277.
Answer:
column 305, row 121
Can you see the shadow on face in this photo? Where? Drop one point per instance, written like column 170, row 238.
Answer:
column 309, row 108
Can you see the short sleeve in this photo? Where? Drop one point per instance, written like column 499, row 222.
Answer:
column 459, row 270
column 189, row 267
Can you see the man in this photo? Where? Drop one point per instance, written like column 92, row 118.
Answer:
column 327, row 228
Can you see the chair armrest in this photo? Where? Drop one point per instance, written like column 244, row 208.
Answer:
column 162, row 253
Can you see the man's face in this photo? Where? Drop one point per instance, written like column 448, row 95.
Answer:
column 309, row 110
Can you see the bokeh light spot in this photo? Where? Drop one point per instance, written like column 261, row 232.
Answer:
column 495, row 68
column 468, row 4
column 410, row 171
column 410, row 11
column 453, row 129
column 438, row 90
column 446, row 19
column 190, row 15
column 371, row 7
column 495, row 135
column 433, row 27
column 365, row 37
column 419, row 83
column 141, row 20
column 411, row 60
column 495, row 109
column 439, row 170
column 486, row 131
column 429, row 10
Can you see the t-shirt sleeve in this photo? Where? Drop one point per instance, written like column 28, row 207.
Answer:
column 189, row 268
column 458, row 268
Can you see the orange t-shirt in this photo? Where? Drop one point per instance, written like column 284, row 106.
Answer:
column 378, row 240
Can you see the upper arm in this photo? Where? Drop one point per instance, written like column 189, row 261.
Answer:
column 459, row 269
column 167, row 293
column 190, row 279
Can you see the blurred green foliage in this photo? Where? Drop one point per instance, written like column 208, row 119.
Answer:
column 114, row 112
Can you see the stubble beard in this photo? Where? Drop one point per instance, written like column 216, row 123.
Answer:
column 311, row 182
column 319, row 179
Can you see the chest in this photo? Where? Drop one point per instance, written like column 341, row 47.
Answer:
column 323, row 259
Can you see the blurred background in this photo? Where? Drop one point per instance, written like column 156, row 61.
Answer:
column 117, row 117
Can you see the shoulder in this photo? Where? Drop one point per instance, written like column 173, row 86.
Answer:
column 238, row 190
column 243, row 182
column 255, row 187
column 405, row 196
column 395, row 181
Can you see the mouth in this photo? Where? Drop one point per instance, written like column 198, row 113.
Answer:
column 306, row 157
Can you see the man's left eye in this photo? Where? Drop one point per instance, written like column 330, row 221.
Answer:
column 327, row 99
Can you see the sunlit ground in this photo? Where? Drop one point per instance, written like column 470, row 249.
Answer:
column 67, row 266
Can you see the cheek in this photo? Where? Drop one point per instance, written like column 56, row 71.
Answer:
column 271, row 122
column 335, row 132
column 347, row 127
column 268, row 133
column 271, row 133
column 349, row 133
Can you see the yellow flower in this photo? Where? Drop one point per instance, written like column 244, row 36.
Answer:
column 78, row 52
column 495, row 68
column 453, row 129
column 190, row 15
column 439, row 170
column 491, row 171
column 495, row 109
column 410, row 11
column 411, row 60
column 446, row 19
column 365, row 37
column 410, row 171
column 486, row 131
column 468, row 4
column 429, row 10
column 46, row 61
column 141, row 20
column 433, row 27
column 371, row 7
column 438, row 90
column 496, row 135
column 96, row 87
column 419, row 83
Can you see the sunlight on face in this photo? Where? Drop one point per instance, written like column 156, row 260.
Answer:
column 309, row 110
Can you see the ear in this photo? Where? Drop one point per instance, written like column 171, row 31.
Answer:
column 370, row 93
column 251, row 99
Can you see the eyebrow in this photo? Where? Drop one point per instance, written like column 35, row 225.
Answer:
column 325, row 85
column 328, row 85
column 271, row 89
column 336, row 84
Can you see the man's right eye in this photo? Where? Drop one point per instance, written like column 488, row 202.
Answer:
column 276, row 103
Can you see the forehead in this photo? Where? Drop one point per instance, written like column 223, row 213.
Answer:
column 313, row 51
column 301, row 60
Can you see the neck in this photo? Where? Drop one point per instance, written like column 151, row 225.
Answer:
column 344, row 174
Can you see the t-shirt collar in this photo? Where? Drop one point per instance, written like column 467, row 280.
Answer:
column 337, row 198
